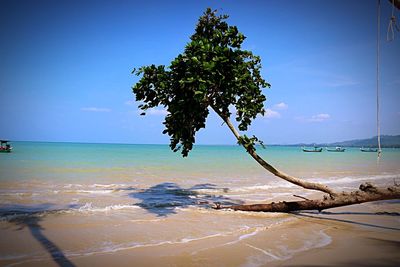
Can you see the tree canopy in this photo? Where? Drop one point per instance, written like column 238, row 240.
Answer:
column 212, row 72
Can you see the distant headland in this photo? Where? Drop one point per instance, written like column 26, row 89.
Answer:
column 387, row 141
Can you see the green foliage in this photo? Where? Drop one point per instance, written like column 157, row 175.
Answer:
column 213, row 71
column 249, row 142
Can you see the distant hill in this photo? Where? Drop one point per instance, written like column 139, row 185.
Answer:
column 386, row 141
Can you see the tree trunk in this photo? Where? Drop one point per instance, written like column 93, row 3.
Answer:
column 366, row 193
column 273, row 170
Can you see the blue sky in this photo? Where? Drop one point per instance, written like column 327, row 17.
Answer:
column 66, row 68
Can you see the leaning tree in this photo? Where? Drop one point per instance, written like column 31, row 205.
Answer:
column 213, row 74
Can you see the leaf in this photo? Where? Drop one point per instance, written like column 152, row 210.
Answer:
column 211, row 70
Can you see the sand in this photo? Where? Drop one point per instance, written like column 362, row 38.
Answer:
column 358, row 235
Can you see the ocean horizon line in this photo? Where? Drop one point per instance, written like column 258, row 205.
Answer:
column 334, row 143
column 113, row 143
column 145, row 144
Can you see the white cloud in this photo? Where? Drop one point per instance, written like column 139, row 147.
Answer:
column 340, row 81
column 155, row 112
column 319, row 117
column 94, row 109
column 270, row 114
column 314, row 118
column 130, row 102
column 281, row 106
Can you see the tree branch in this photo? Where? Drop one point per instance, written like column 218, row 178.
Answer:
column 396, row 3
column 273, row 170
column 366, row 193
column 301, row 197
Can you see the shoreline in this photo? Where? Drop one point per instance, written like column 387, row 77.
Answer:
column 358, row 235
column 146, row 207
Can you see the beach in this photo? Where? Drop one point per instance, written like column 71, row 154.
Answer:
column 69, row 204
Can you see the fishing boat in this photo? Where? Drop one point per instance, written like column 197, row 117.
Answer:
column 315, row 149
column 369, row 149
column 5, row 147
column 336, row 149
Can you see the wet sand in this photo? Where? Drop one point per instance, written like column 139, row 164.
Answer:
column 359, row 235
column 362, row 235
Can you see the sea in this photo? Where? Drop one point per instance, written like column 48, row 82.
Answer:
column 63, row 203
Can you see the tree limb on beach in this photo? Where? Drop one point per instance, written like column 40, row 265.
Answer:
column 366, row 193
column 214, row 73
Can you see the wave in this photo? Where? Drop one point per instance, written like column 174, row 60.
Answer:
column 352, row 179
column 88, row 207
column 265, row 252
column 230, row 212
column 262, row 187
column 248, row 232
column 19, row 194
column 244, row 189
column 242, row 233
column 322, row 240
column 128, row 246
column 108, row 185
column 82, row 191
column 335, row 180
column 262, row 196
column 12, row 214
column 247, row 235
column 55, row 192
column 72, row 185
column 109, row 248
column 282, row 252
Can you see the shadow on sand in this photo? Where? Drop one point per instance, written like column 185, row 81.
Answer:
column 30, row 217
column 162, row 199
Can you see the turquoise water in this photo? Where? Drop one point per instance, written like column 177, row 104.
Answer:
column 95, row 200
column 76, row 161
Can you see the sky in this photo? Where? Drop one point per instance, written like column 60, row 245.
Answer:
column 65, row 68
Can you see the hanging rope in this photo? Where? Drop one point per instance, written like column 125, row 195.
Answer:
column 378, row 35
column 392, row 26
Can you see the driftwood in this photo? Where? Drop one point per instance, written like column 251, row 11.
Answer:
column 366, row 193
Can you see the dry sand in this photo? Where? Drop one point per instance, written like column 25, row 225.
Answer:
column 362, row 235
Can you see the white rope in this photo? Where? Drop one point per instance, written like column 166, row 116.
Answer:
column 392, row 26
column 378, row 35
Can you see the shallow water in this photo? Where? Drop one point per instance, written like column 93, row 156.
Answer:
column 72, row 202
